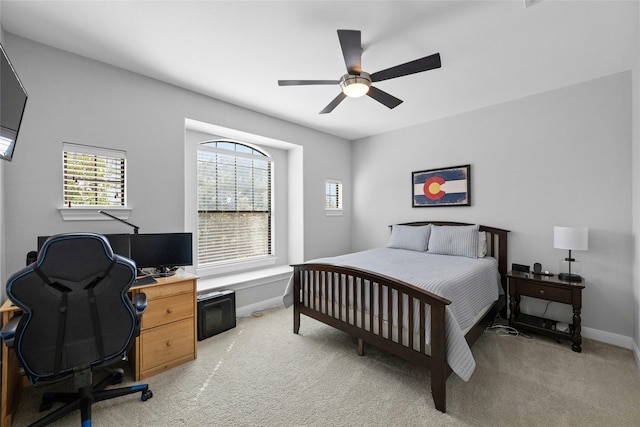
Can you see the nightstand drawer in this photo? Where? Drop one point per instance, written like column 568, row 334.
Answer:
column 551, row 293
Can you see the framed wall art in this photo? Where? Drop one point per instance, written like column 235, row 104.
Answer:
column 442, row 187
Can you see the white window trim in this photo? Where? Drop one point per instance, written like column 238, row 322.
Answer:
column 92, row 213
column 293, row 166
column 334, row 212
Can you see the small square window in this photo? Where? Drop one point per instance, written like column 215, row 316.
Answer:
column 93, row 176
column 333, row 197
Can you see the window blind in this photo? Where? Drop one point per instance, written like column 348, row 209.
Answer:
column 93, row 176
column 333, row 194
column 234, row 204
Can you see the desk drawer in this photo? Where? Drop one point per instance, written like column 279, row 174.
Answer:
column 160, row 291
column 166, row 344
column 537, row 290
column 161, row 311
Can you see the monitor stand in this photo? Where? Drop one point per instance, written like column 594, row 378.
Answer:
column 164, row 272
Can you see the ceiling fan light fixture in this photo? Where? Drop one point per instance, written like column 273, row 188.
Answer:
column 355, row 86
column 357, row 83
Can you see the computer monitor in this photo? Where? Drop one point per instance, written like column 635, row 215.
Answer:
column 161, row 250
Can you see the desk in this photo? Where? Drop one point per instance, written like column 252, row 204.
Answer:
column 168, row 330
column 167, row 337
column 12, row 381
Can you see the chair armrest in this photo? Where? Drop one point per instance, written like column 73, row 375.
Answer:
column 140, row 303
column 8, row 332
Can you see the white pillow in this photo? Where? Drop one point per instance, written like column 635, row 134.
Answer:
column 410, row 237
column 482, row 244
column 454, row 240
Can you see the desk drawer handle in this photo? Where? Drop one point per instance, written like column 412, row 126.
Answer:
column 169, row 311
column 168, row 343
column 542, row 291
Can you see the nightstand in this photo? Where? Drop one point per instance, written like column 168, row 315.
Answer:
column 548, row 288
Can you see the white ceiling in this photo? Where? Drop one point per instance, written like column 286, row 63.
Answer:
column 492, row 51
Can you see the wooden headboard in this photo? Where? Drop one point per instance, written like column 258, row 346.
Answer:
column 496, row 244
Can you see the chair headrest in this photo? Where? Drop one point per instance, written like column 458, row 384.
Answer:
column 74, row 256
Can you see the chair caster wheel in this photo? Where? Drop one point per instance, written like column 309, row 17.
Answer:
column 45, row 406
column 146, row 395
column 117, row 375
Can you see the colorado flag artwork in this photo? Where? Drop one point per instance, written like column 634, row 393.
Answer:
column 442, row 187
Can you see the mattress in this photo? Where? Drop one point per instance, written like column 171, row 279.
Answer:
column 471, row 284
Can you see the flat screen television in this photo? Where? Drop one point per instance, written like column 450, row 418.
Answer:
column 161, row 250
column 13, row 99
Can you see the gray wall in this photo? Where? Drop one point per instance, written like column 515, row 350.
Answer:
column 557, row 158
column 636, row 204
column 75, row 99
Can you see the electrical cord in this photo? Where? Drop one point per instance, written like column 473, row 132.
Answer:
column 545, row 309
column 503, row 330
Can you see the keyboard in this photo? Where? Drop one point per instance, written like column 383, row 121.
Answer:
column 144, row 280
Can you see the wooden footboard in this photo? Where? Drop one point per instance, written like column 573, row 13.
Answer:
column 347, row 299
column 361, row 303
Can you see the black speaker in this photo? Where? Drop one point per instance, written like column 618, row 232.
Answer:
column 216, row 313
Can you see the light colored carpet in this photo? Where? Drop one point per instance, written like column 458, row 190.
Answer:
column 261, row 374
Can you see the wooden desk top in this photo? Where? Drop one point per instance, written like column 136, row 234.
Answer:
column 178, row 277
column 8, row 305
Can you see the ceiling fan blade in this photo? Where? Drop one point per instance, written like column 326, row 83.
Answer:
column 350, row 41
column 419, row 65
column 383, row 97
column 307, row 82
column 333, row 104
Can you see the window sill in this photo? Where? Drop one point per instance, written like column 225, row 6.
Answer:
column 244, row 280
column 86, row 213
column 334, row 212
column 233, row 267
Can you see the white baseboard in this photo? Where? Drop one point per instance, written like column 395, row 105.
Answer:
column 247, row 310
column 608, row 337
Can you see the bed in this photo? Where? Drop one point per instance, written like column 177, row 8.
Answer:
column 423, row 297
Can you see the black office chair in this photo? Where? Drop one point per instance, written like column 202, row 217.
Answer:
column 76, row 317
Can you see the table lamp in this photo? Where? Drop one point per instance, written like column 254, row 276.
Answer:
column 572, row 239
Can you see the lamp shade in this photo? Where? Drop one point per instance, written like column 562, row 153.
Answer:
column 571, row 238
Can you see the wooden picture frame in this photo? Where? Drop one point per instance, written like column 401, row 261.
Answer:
column 441, row 187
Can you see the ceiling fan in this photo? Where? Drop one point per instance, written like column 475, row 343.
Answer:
column 356, row 82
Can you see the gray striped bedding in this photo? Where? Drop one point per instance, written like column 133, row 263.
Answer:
column 471, row 284
column 453, row 240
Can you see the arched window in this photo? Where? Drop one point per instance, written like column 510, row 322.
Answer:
column 234, row 203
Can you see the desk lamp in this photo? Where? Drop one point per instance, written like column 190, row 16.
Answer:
column 570, row 238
